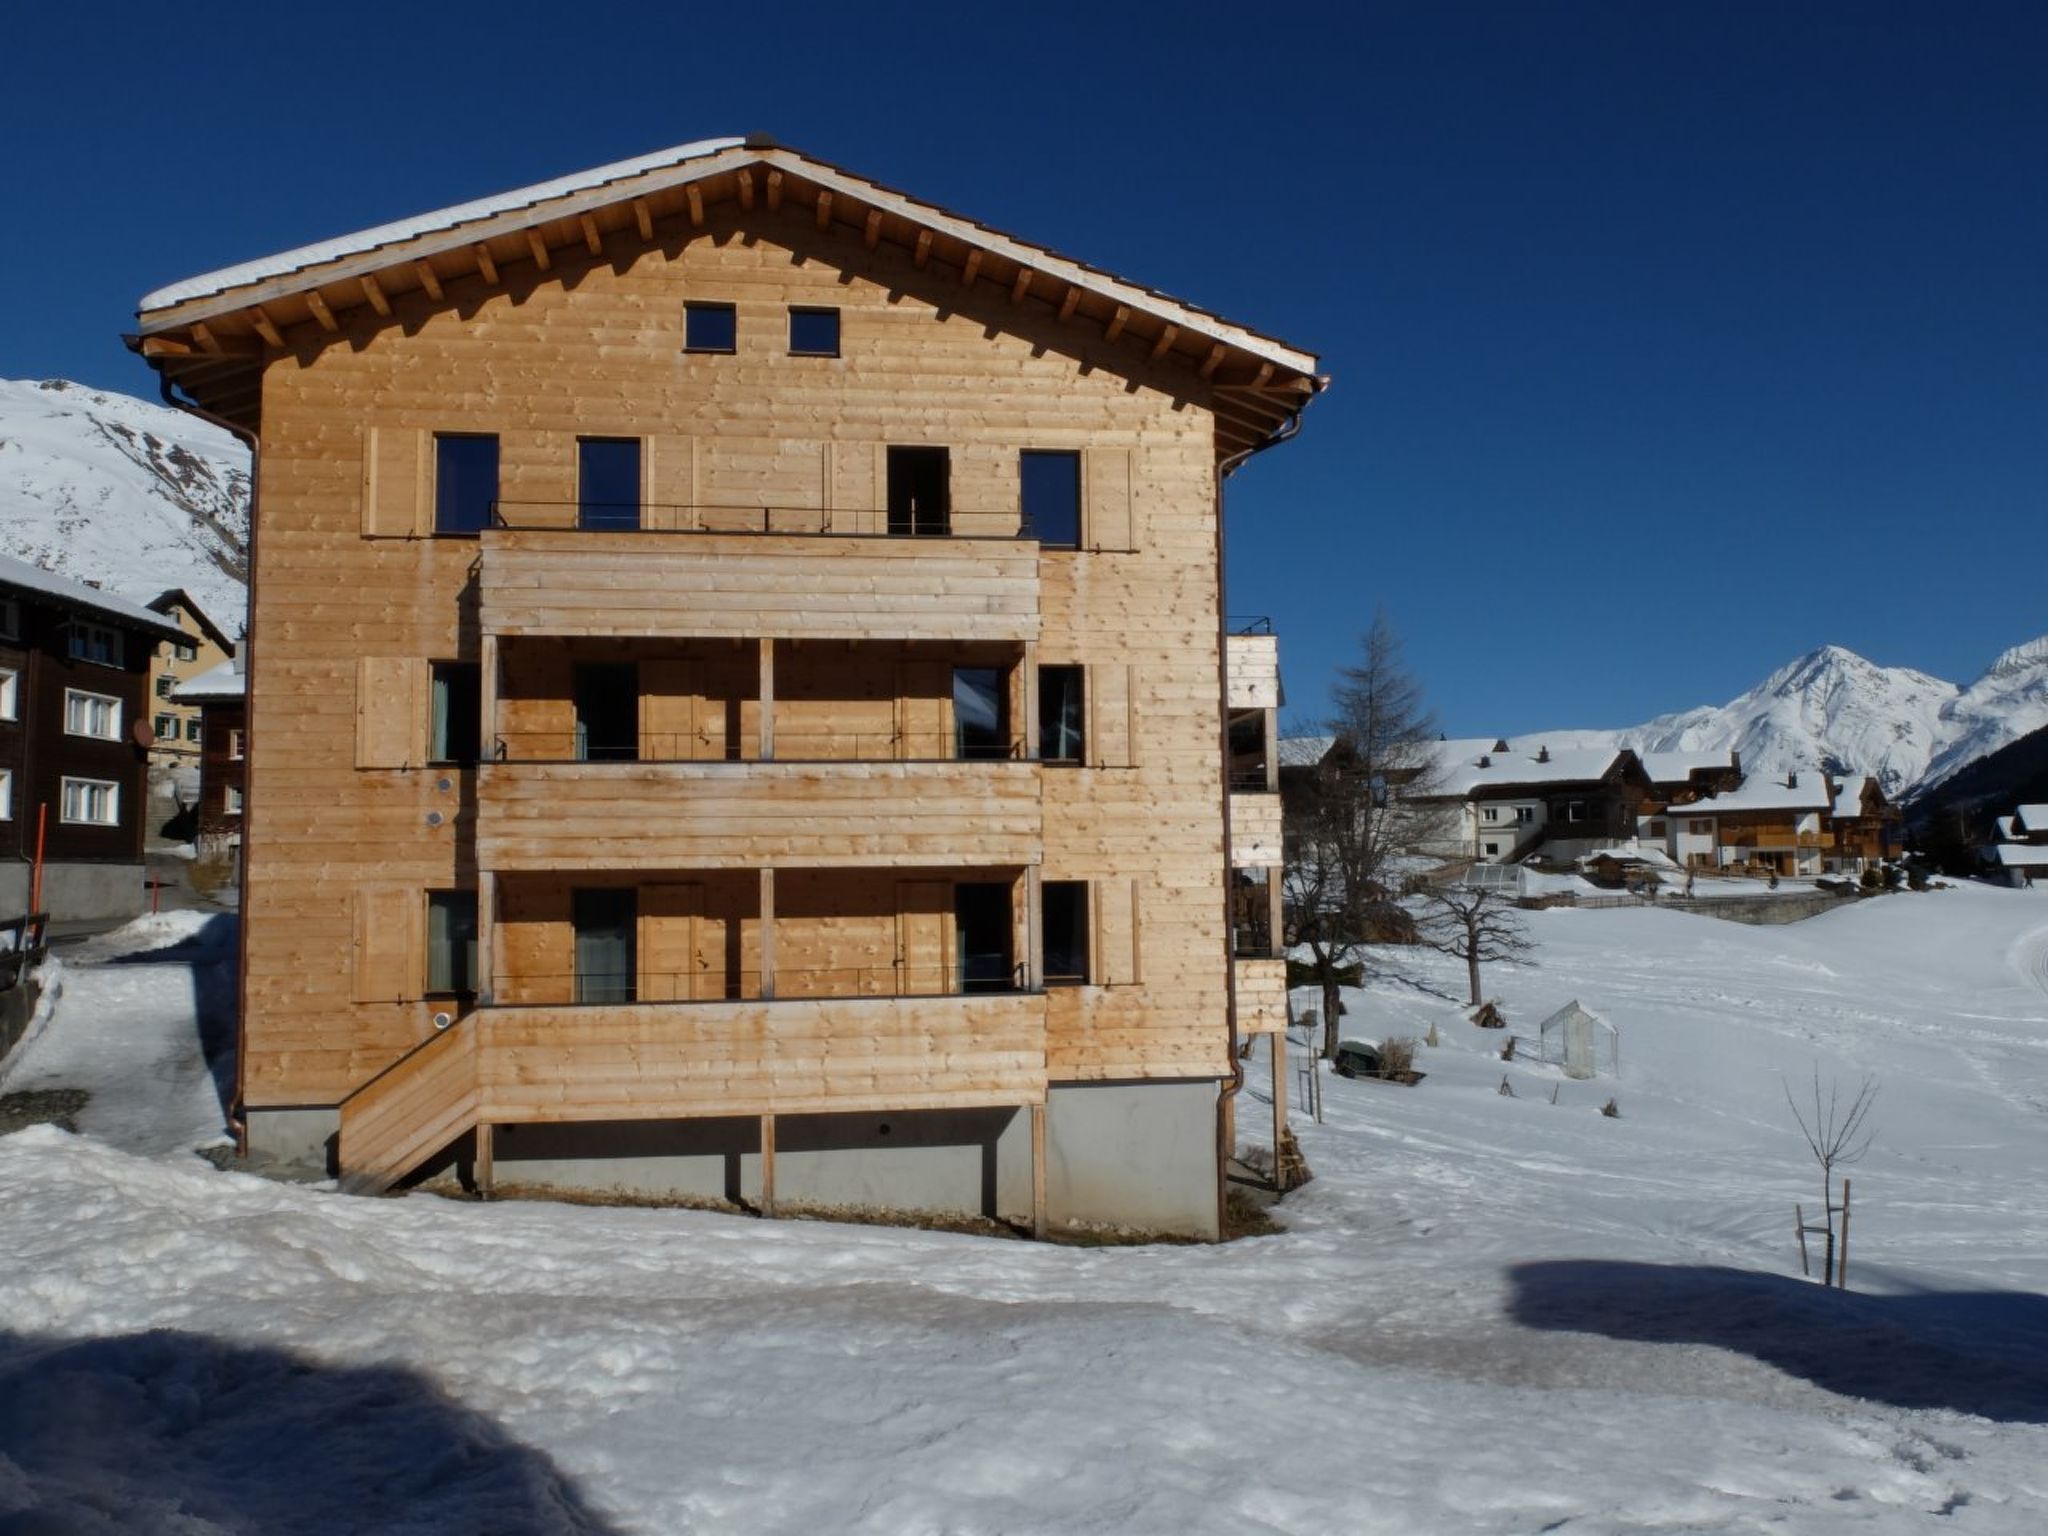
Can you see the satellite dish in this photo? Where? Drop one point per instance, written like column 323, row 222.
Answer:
column 145, row 738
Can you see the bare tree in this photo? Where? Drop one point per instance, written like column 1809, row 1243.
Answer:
column 1838, row 1135
column 1473, row 924
column 1351, row 815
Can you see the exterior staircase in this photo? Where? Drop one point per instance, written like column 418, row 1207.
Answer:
column 411, row 1110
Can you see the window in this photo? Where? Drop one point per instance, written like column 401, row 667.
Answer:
column 1656, row 829
column 451, row 941
column 6, row 794
column 165, row 686
column 814, row 332
column 1493, row 813
column 1493, row 847
column 192, row 728
column 608, row 482
column 10, row 619
column 456, row 730
column 91, row 714
column 91, row 803
column 1060, row 715
column 231, row 799
column 166, row 727
column 919, row 492
column 981, row 712
column 1575, row 810
column 710, row 328
column 234, row 742
column 95, row 643
column 982, row 931
column 1051, row 489
column 185, row 650
column 1065, row 904
column 1524, row 815
column 10, row 695
column 1700, row 828
column 465, row 482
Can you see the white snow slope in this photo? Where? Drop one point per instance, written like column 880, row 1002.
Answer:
column 134, row 496
column 1489, row 1314
column 1834, row 709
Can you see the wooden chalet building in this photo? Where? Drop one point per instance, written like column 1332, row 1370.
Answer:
column 736, row 698
column 2019, row 856
column 74, row 743
column 1506, row 802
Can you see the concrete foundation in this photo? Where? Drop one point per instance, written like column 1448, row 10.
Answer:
column 76, row 892
column 1139, row 1155
column 293, row 1143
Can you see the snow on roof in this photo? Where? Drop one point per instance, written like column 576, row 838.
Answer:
column 2008, row 828
column 322, row 251
column 1676, row 767
column 1304, row 751
column 33, row 578
column 2022, row 855
column 2032, row 818
column 226, row 681
column 1849, row 797
column 1460, row 774
column 1633, row 853
column 1809, row 794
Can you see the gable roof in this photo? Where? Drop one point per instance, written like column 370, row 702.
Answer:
column 1472, row 767
column 104, row 607
column 178, row 597
column 214, row 685
column 211, row 333
column 1811, row 793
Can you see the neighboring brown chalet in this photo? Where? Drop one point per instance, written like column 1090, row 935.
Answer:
column 217, row 698
column 74, row 742
column 737, row 699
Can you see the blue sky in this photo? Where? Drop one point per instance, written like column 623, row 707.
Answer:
column 1668, row 341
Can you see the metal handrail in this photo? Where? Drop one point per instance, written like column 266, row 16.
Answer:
column 790, row 747
column 1248, row 624
column 728, row 517
column 844, row 983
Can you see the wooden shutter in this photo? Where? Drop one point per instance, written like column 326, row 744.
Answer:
column 396, row 463
column 669, row 691
column 1106, row 478
column 1115, row 903
column 671, row 482
column 922, row 909
column 1111, row 739
column 391, row 711
column 669, row 960
column 390, row 956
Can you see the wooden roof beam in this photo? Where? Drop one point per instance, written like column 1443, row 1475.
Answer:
column 823, row 211
column 208, row 342
column 267, row 327
column 1020, row 287
column 374, row 292
column 972, row 269
column 1117, row 322
column 643, row 216
column 321, row 312
column 429, row 278
column 873, row 232
column 1212, row 362
column 591, row 237
column 923, row 253
column 695, row 195
column 1165, row 342
column 539, row 248
column 746, row 180
column 1070, row 302
column 485, row 264
column 774, row 191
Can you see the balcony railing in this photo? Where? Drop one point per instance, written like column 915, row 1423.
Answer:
column 790, row 747
column 987, row 976
column 697, row 517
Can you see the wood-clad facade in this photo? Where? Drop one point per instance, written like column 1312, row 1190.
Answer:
column 764, row 804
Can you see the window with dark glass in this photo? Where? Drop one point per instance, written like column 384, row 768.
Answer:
column 465, row 482
column 981, row 712
column 1052, row 497
column 814, row 332
column 710, row 328
column 608, row 482
column 455, row 731
column 607, row 702
column 607, row 960
column 1061, row 709
column 1065, row 912
column 920, row 491
column 451, row 942
column 983, row 931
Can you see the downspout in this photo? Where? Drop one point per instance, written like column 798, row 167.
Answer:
column 1234, row 1084
column 238, row 1120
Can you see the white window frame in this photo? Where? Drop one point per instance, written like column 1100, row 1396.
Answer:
column 231, row 799
column 167, row 720
column 6, row 794
column 74, row 797
column 10, row 694
column 103, row 636
column 185, row 650
column 192, row 731
column 238, row 747
column 83, row 696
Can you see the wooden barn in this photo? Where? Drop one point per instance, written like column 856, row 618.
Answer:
column 739, row 699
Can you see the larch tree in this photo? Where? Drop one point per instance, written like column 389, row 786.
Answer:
column 1474, row 924
column 1353, row 815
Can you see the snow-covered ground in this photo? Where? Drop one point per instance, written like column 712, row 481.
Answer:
column 1488, row 1314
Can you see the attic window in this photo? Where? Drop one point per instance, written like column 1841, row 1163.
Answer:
column 813, row 332
column 710, row 328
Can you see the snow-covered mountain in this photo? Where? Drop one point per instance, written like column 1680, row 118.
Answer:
column 1834, row 709
column 134, row 496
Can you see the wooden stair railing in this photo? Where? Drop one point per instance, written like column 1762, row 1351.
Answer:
column 410, row 1110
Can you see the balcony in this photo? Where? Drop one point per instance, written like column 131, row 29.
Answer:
column 734, row 815
column 792, row 581
column 1252, row 665
column 1261, row 994
column 647, row 1060
column 1255, row 827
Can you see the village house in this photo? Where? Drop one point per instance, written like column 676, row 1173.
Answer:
column 737, row 699
column 1506, row 803
column 74, row 740
column 2020, row 856
column 1864, row 827
column 216, row 697
column 1765, row 826
column 174, row 756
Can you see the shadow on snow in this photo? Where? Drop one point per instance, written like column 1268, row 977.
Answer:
column 210, row 953
column 171, row 1431
column 1976, row 1352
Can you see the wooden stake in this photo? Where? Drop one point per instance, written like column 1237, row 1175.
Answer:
column 767, row 1165
column 1799, row 1227
column 483, row 1168
column 767, row 987
column 1842, row 1264
column 1279, row 1039
column 1038, row 1170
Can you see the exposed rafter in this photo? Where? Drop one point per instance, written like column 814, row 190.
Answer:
column 374, row 292
column 321, row 312
column 429, row 278
column 539, row 249
column 591, row 238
